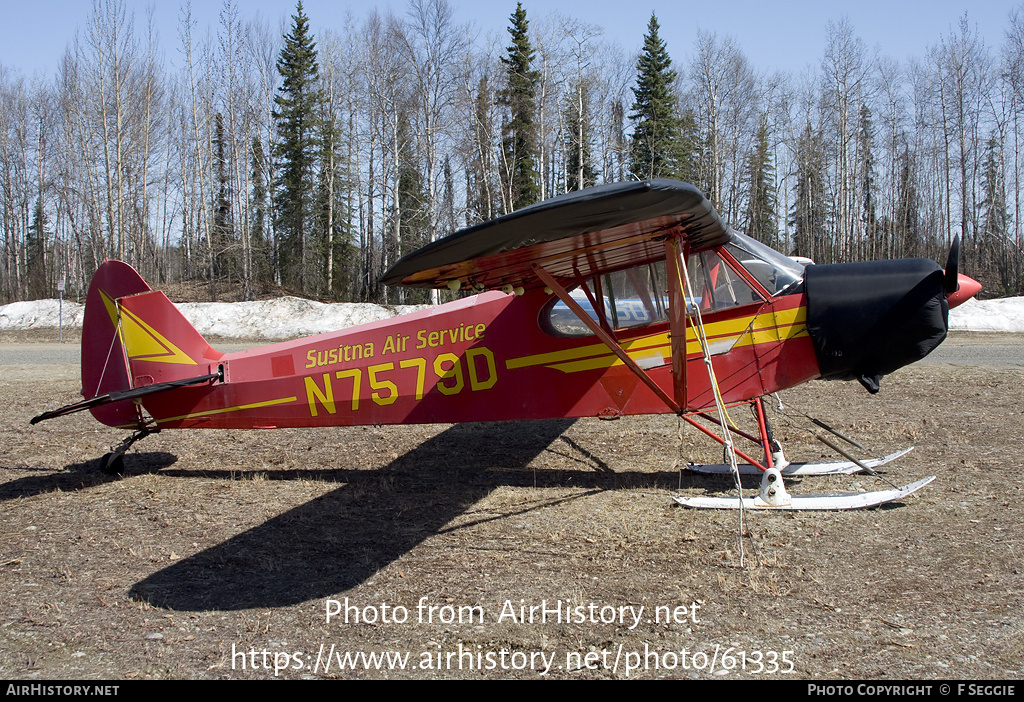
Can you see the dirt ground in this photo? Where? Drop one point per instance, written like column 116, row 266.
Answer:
column 221, row 554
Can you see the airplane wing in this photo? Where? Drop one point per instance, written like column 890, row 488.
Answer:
column 583, row 233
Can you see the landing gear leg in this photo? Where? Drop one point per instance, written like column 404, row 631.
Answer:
column 113, row 462
column 773, row 458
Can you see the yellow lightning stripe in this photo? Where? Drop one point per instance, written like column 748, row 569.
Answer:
column 766, row 320
column 715, row 330
column 237, row 408
column 727, row 334
column 602, row 362
column 111, row 306
column 140, row 340
column 145, row 343
column 541, row 359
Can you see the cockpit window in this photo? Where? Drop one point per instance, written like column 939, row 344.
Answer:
column 776, row 272
column 631, row 298
column 639, row 296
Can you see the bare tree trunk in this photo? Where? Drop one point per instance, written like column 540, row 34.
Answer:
column 199, row 138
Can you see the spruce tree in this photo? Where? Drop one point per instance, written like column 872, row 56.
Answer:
column 480, row 201
column 656, row 148
column 617, row 162
column 865, row 154
column 35, row 254
column 296, row 149
column 809, row 211
column 414, row 229
column 995, row 220
column 223, row 226
column 259, row 240
column 994, row 217
column 761, row 201
column 520, row 133
column 906, row 225
column 688, row 149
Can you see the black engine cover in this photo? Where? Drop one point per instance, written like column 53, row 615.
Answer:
column 868, row 319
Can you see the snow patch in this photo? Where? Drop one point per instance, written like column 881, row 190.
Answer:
column 283, row 318
column 40, row 314
column 1003, row 315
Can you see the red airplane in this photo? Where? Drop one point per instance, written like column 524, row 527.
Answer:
column 624, row 299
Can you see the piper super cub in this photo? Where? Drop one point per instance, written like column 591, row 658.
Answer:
column 623, row 299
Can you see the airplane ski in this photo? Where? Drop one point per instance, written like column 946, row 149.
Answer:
column 802, row 469
column 774, row 497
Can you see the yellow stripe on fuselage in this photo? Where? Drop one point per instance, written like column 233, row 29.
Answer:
column 769, row 327
column 542, row 359
column 236, row 408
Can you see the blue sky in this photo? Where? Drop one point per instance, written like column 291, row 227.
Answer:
column 785, row 35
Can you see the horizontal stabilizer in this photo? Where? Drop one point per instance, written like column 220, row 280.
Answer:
column 125, row 395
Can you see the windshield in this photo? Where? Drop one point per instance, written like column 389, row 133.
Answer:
column 775, row 271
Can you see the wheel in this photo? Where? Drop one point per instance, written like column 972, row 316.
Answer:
column 112, row 464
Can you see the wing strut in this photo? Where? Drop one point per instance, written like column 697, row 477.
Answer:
column 677, row 319
column 605, row 337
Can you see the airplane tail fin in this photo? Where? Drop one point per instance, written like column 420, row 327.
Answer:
column 132, row 338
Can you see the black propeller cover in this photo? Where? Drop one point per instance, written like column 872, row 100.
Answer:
column 868, row 319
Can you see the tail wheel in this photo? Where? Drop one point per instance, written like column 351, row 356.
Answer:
column 112, row 464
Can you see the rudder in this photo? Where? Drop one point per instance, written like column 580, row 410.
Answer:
column 133, row 337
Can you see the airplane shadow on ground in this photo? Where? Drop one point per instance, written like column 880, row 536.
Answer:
column 339, row 540
column 80, row 476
